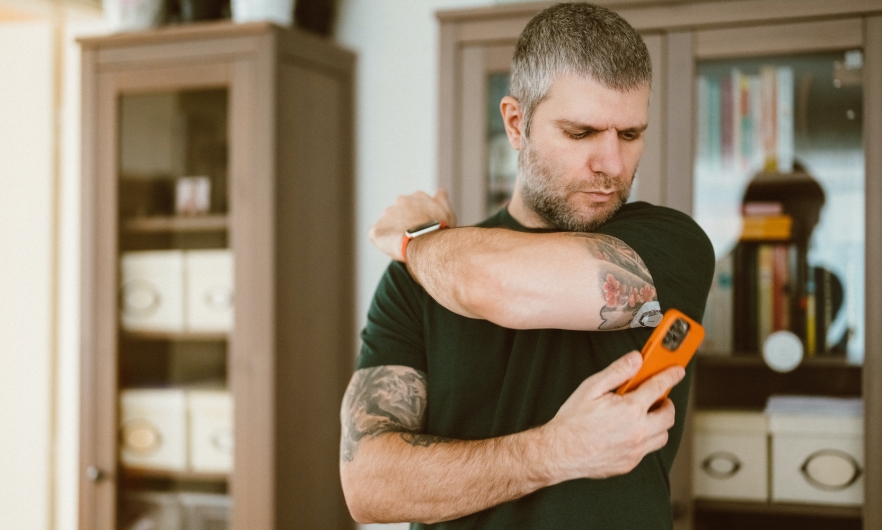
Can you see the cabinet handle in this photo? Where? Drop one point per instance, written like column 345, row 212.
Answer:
column 94, row 474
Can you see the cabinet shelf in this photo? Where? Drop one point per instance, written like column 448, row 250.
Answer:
column 756, row 361
column 176, row 336
column 774, row 508
column 173, row 224
column 167, row 474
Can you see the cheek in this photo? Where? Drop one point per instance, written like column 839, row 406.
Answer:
column 633, row 151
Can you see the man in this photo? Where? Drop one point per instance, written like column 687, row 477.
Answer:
column 482, row 396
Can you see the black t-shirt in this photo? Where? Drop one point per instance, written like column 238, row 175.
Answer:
column 486, row 381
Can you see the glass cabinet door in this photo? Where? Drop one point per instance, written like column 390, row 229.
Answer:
column 779, row 188
column 779, row 178
column 175, row 310
column 502, row 159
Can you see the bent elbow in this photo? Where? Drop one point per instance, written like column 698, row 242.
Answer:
column 356, row 502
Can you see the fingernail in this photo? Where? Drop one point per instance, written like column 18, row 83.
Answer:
column 634, row 359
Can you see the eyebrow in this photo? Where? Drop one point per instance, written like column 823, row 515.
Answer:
column 585, row 127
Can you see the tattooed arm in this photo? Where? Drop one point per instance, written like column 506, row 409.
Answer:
column 580, row 281
column 392, row 471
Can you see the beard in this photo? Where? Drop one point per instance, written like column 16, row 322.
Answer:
column 546, row 192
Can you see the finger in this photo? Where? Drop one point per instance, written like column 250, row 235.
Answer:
column 651, row 390
column 614, row 375
column 656, row 442
column 443, row 198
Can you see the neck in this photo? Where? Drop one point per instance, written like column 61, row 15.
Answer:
column 522, row 213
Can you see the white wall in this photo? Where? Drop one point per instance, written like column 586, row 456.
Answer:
column 396, row 42
column 39, row 272
column 26, row 279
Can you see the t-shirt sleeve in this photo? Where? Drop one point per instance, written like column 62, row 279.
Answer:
column 393, row 334
column 677, row 252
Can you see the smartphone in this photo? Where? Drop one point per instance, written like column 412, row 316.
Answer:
column 672, row 343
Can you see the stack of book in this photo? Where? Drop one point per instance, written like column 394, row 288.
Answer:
column 746, row 121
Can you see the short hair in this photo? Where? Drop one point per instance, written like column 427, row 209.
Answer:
column 581, row 39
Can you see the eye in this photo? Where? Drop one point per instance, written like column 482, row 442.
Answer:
column 576, row 135
column 629, row 136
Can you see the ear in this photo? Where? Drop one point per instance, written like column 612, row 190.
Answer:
column 513, row 119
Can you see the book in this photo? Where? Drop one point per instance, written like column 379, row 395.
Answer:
column 781, row 288
column 726, row 121
column 784, row 119
column 703, row 118
column 718, row 313
column 744, row 298
column 715, row 149
column 766, row 227
column 765, row 298
column 745, row 137
column 769, row 102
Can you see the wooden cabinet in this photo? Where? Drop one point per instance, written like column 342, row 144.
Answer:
column 830, row 53
column 265, row 115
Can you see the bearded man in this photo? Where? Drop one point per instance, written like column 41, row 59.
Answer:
column 482, row 396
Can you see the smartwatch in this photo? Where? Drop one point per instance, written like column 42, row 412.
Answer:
column 418, row 231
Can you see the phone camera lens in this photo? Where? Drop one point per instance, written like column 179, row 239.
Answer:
column 675, row 335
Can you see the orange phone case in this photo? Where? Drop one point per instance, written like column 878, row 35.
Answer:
column 657, row 356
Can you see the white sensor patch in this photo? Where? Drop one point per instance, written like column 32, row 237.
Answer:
column 648, row 316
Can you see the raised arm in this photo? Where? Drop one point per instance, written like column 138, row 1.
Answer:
column 392, row 472
column 579, row 281
column 518, row 280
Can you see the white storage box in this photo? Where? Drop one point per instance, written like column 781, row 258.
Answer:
column 730, row 456
column 153, row 429
column 209, row 305
column 152, row 284
column 817, row 453
column 211, row 430
column 205, row 511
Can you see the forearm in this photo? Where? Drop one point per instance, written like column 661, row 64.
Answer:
column 398, row 477
column 527, row 280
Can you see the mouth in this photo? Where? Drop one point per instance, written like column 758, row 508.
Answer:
column 600, row 196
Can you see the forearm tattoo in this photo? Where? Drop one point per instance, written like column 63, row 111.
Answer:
column 383, row 399
column 625, row 284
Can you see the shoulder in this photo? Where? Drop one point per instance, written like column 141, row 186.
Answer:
column 649, row 225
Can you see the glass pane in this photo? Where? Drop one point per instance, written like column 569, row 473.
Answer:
column 166, row 136
column 175, row 305
column 779, row 188
column 502, row 159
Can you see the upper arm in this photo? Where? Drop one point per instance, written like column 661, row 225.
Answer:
column 379, row 400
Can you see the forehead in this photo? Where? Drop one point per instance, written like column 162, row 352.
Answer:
column 583, row 100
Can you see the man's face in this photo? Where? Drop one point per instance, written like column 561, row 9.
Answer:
column 577, row 167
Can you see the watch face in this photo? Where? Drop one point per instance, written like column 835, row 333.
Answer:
column 423, row 228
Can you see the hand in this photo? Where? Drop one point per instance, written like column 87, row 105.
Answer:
column 407, row 212
column 598, row 434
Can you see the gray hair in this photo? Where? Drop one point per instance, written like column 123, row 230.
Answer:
column 581, row 39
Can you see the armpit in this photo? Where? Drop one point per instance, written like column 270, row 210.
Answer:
column 379, row 400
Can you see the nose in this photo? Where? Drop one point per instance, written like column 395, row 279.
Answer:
column 607, row 156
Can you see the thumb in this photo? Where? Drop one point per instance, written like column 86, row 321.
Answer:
column 443, row 198
column 616, row 374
